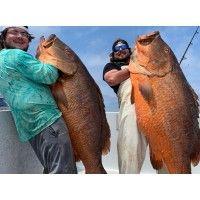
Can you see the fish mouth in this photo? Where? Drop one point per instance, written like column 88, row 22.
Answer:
column 49, row 40
column 148, row 38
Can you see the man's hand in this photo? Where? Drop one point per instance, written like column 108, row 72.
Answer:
column 124, row 67
column 40, row 47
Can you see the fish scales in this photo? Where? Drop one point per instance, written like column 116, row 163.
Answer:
column 81, row 102
column 166, row 105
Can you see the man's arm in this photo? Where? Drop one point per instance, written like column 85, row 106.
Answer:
column 31, row 68
column 115, row 77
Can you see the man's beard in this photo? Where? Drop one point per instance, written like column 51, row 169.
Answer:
column 125, row 60
column 8, row 46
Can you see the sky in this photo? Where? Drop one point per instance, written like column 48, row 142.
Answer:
column 93, row 45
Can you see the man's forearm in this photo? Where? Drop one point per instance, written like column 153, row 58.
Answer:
column 115, row 77
column 121, row 76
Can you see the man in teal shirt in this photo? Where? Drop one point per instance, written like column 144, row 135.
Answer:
column 24, row 83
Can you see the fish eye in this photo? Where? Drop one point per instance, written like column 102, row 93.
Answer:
column 166, row 50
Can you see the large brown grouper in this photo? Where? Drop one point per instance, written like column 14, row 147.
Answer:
column 80, row 100
column 166, row 105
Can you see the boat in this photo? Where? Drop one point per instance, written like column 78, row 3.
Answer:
column 19, row 158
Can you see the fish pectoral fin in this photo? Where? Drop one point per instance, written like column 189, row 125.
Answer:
column 156, row 162
column 59, row 94
column 68, row 69
column 132, row 96
column 66, row 60
column 146, row 90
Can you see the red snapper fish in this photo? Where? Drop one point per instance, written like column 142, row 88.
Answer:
column 166, row 105
column 80, row 100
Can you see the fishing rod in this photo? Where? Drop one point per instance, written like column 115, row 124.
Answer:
column 190, row 43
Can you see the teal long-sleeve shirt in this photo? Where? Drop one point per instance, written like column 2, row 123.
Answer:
column 24, row 84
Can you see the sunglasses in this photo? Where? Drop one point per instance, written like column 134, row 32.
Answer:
column 120, row 47
column 15, row 32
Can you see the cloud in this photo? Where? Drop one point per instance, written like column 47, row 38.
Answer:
column 45, row 30
column 86, row 31
column 94, row 61
column 96, row 43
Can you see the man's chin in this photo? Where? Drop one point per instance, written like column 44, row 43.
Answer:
column 123, row 57
column 16, row 47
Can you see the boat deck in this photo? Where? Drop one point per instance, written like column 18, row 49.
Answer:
column 19, row 158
